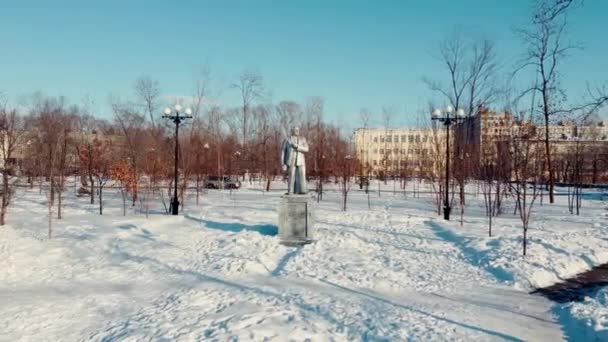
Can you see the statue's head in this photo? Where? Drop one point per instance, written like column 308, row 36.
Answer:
column 295, row 131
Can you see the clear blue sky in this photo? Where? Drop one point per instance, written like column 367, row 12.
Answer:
column 353, row 53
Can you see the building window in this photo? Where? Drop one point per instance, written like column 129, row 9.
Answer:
column 403, row 138
column 389, row 138
column 411, row 138
column 396, row 138
column 424, row 139
column 396, row 151
column 381, row 139
column 375, row 139
column 381, row 151
column 396, row 162
column 375, row 151
column 417, row 138
column 375, row 162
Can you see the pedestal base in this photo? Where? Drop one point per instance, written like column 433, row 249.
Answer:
column 296, row 220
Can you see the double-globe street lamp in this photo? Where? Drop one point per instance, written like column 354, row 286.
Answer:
column 177, row 117
column 445, row 116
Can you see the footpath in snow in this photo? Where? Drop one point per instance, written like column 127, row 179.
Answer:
column 393, row 272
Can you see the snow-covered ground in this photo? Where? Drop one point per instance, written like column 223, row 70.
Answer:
column 396, row 271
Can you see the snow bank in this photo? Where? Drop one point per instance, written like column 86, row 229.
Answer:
column 392, row 272
column 560, row 246
column 587, row 320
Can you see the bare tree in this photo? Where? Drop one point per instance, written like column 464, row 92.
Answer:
column 102, row 166
column 472, row 69
column 596, row 98
column 131, row 125
column 250, row 85
column 289, row 115
column 575, row 163
column 217, row 135
column 86, row 126
column 387, row 115
column 526, row 164
column 432, row 170
column 318, row 141
column 265, row 130
column 546, row 49
column 363, row 153
column 64, row 143
column 147, row 91
column 453, row 54
column 10, row 135
column 48, row 120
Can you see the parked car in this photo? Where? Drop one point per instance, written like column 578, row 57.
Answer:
column 225, row 182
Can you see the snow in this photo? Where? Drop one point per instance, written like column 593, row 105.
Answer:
column 396, row 271
column 591, row 316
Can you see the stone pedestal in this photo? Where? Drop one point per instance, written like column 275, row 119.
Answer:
column 296, row 219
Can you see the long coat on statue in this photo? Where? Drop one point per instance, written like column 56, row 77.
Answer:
column 292, row 156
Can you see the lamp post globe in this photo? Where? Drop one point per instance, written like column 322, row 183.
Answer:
column 188, row 111
column 449, row 109
column 436, row 114
column 460, row 113
column 167, row 111
column 178, row 108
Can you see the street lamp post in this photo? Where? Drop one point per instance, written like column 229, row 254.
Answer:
column 177, row 118
column 445, row 118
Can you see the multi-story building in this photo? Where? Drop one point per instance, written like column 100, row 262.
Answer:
column 393, row 151
column 481, row 131
column 412, row 151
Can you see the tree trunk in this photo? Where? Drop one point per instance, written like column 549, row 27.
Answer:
column 100, row 200
column 92, row 188
column 548, row 153
column 461, row 214
column 525, row 238
column 198, row 189
column 52, row 179
column 490, row 222
column 4, row 198
column 124, row 203
column 59, row 205
column 50, row 219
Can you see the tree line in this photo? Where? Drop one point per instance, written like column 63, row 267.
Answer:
column 47, row 140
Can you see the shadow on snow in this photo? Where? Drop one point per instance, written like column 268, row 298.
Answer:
column 264, row 229
column 473, row 256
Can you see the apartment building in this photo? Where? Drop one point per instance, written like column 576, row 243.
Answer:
column 411, row 151
column 393, row 151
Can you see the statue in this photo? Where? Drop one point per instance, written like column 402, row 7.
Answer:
column 293, row 161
